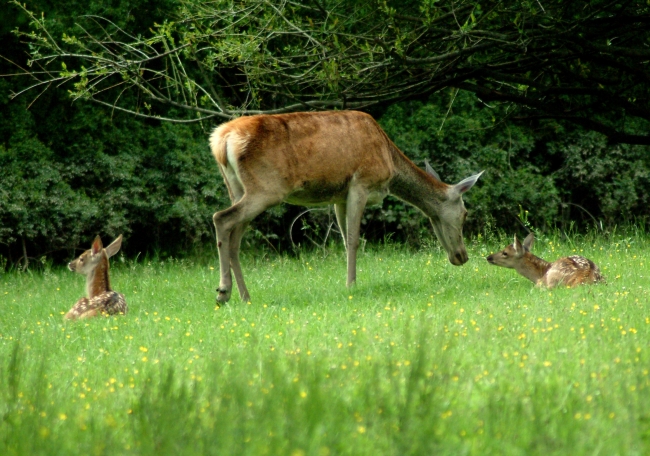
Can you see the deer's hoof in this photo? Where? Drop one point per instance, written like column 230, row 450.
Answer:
column 223, row 295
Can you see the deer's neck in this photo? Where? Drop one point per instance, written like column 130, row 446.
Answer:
column 98, row 282
column 532, row 267
column 415, row 186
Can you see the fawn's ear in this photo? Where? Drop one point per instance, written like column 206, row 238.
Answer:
column 529, row 241
column 114, row 247
column 97, row 245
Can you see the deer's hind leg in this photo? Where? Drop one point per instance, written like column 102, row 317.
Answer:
column 229, row 225
column 79, row 308
column 236, row 192
column 235, row 243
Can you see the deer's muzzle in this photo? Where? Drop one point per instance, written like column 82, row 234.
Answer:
column 459, row 258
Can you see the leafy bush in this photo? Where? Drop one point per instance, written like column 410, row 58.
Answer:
column 78, row 172
column 601, row 183
column 562, row 176
column 70, row 172
column 461, row 136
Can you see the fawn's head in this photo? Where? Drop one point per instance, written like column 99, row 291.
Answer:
column 91, row 258
column 512, row 255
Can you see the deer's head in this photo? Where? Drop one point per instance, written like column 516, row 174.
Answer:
column 91, row 258
column 512, row 255
column 450, row 215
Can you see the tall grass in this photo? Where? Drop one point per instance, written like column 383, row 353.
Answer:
column 420, row 357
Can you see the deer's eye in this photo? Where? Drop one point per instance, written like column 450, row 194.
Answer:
column 505, row 254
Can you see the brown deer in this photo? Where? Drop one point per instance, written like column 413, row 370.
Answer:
column 101, row 299
column 568, row 271
column 342, row 158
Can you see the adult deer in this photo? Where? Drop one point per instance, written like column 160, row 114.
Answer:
column 342, row 158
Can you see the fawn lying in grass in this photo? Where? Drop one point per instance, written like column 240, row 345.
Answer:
column 101, row 299
column 568, row 271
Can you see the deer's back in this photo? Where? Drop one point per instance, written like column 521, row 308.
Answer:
column 572, row 271
column 304, row 158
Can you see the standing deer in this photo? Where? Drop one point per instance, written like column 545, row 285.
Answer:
column 101, row 299
column 342, row 158
column 568, row 271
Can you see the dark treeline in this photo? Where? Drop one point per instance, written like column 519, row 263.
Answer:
column 71, row 170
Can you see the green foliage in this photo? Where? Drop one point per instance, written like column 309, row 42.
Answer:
column 581, row 63
column 71, row 171
column 602, row 181
column 459, row 136
column 562, row 176
column 37, row 201
column 76, row 172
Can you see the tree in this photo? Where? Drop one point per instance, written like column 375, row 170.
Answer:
column 581, row 62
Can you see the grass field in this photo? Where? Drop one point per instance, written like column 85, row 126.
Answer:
column 421, row 357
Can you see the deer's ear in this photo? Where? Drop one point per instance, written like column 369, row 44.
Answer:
column 430, row 170
column 97, row 245
column 114, row 247
column 517, row 246
column 529, row 241
column 466, row 184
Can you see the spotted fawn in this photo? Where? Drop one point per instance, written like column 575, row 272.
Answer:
column 100, row 298
column 568, row 271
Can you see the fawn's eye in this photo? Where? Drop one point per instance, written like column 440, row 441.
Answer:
column 505, row 254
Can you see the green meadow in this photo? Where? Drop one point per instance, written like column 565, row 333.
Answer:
column 421, row 357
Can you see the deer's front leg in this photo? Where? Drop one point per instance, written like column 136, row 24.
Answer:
column 356, row 202
column 340, row 210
